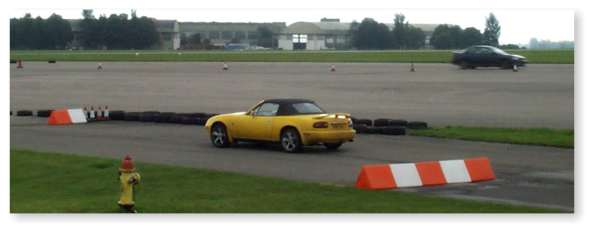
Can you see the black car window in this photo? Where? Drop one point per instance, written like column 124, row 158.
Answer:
column 485, row 51
column 307, row 108
column 266, row 109
column 472, row 50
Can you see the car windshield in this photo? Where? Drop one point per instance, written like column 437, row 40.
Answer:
column 307, row 108
column 499, row 51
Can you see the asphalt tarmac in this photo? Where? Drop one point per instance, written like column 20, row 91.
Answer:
column 526, row 175
column 441, row 94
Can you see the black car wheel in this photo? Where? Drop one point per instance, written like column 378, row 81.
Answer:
column 464, row 65
column 291, row 141
column 332, row 146
column 219, row 136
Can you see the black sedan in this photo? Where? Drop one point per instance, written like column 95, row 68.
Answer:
column 485, row 56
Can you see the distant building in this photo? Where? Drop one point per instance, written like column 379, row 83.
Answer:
column 169, row 34
column 328, row 34
column 220, row 34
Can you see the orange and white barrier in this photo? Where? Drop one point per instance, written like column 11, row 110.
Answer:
column 67, row 117
column 388, row 176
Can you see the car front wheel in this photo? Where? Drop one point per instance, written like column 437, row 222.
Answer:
column 219, row 136
column 291, row 141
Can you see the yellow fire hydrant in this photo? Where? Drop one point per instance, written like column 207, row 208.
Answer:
column 129, row 178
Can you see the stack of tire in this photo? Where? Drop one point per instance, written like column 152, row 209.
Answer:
column 162, row 117
column 386, row 126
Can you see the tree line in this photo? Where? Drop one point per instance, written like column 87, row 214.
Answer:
column 113, row 32
column 117, row 31
column 37, row 33
column 124, row 32
column 370, row 34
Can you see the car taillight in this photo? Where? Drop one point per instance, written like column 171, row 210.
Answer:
column 320, row 124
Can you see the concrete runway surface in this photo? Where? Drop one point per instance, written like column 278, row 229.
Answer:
column 529, row 175
column 441, row 94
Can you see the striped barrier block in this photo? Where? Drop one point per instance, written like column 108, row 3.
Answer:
column 67, row 117
column 389, row 176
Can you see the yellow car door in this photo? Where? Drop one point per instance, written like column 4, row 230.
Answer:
column 258, row 124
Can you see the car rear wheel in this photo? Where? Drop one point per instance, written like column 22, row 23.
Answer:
column 291, row 141
column 332, row 146
column 219, row 136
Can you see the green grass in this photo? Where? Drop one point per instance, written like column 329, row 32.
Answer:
column 530, row 136
column 422, row 56
column 58, row 183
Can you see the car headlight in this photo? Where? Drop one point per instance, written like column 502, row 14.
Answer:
column 350, row 123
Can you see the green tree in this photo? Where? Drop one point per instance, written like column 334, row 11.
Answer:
column 372, row 35
column 492, row 31
column 406, row 36
column 471, row 36
column 59, row 32
column 400, row 31
column 447, row 37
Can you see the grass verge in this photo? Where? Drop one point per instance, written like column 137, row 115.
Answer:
column 421, row 56
column 59, row 183
column 530, row 136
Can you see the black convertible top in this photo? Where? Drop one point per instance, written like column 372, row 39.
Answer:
column 288, row 101
column 286, row 108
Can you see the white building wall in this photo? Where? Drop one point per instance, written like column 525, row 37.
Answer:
column 317, row 44
column 284, row 43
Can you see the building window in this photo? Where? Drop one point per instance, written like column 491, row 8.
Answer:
column 240, row 35
column 299, row 38
column 213, row 35
column 227, row 35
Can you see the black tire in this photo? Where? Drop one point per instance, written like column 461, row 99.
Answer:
column 197, row 114
column 12, row 61
column 333, row 146
column 24, row 113
column 381, row 122
column 218, row 136
column 401, row 123
column 417, row 125
column 464, row 65
column 291, row 141
column 359, row 128
column 164, row 117
column 149, row 116
column 51, row 61
column 373, row 130
column 366, row 122
column 132, row 116
column 117, row 115
column 393, row 130
column 176, row 118
column 201, row 121
column 209, row 115
column 44, row 113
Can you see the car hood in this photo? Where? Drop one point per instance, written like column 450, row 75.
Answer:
column 520, row 57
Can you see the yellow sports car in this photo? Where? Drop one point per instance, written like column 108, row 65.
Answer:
column 292, row 122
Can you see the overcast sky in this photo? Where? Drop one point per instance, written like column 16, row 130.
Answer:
column 517, row 26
